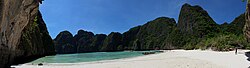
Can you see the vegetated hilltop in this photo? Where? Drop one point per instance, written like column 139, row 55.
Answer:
column 195, row 30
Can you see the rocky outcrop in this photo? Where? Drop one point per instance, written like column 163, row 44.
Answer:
column 113, row 42
column 98, row 42
column 195, row 29
column 194, row 20
column 161, row 33
column 149, row 36
column 129, row 37
column 153, row 34
column 23, row 33
column 64, row 43
column 83, row 41
column 247, row 23
column 235, row 27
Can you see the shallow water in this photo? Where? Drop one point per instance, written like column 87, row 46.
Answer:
column 87, row 57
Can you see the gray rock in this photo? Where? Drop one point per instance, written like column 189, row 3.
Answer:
column 23, row 33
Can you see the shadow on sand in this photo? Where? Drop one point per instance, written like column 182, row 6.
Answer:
column 248, row 55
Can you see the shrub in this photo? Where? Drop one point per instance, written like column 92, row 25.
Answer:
column 224, row 42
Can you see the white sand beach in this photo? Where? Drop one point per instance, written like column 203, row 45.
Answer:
column 168, row 59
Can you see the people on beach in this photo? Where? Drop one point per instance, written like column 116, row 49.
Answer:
column 236, row 48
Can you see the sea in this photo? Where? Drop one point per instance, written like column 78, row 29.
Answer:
column 88, row 57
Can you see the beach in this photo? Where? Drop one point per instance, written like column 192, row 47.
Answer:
column 167, row 59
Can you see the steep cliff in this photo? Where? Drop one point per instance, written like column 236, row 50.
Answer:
column 195, row 24
column 129, row 37
column 151, row 35
column 64, row 43
column 195, row 29
column 98, row 42
column 113, row 42
column 162, row 33
column 195, row 21
column 247, row 23
column 23, row 33
column 230, row 36
column 83, row 41
column 235, row 27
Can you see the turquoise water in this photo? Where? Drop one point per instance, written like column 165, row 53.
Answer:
column 87, row 57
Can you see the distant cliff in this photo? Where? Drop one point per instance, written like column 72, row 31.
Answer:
column 152, row 35
column 195, row 30
column 64, row 43
column 23, row 33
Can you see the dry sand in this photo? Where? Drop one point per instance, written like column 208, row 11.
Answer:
column 168, row 59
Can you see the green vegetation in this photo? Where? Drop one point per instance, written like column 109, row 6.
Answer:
column 26, row 36
column 226, row 38
column 195, row 30
column 223, row 42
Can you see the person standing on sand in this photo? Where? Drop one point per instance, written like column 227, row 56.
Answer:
column 236, row 48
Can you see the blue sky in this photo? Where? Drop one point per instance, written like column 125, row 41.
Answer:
column 105, row 16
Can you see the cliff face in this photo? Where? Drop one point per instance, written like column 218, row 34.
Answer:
column 83, row 40
column 195, row 29
column 98, row 42
column 247, row 23
column 194, row 20
column 64, row 43
column 23, row 33
column 235, row 27
column 113, row 42
column 130, row 37
column 161, row 33
column 148, row 36
column 151, row 35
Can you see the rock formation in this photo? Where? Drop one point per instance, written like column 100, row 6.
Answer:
column 247, row 24
column 195, row 29
column 113, row 42
column 83, row 40
column 64, row 43
column 98, row 42
column 235, row 27
column 146, row 37
column 23, row 33
column 129, row 37
column 194, row 20
column 151, row 35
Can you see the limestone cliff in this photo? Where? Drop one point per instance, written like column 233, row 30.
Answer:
column 112, row 42
column 23, row 33
column 83, row 41
column 247, row 24
column 64, row 43
column 195, row 30
column 195, row 21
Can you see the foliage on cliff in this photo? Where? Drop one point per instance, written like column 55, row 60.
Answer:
column 195, row 30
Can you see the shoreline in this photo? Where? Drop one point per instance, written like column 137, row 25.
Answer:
column 171, row 59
